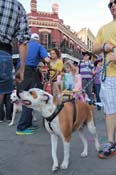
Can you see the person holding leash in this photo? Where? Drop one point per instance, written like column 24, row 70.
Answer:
column 105, row 43
column 13, row 26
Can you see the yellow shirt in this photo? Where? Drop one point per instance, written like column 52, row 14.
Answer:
column 57, row 66
column 107, row 34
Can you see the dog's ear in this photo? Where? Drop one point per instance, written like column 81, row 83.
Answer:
column 45, row 97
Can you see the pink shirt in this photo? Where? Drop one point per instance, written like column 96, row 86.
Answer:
column 78, row 87
column 77, row 82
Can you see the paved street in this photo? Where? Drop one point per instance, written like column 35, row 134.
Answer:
column 30, row 155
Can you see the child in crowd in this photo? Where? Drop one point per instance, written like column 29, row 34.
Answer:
column 72, row 80
column 56, row 67
column 97, row 80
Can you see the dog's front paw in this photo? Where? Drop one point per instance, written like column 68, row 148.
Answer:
column 84, row 154
column 10, row 124
column 64, row 165
column 54, row 167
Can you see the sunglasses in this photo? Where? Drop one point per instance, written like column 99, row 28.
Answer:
column 111, row 3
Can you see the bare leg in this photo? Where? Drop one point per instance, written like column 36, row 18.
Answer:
column 111, row 127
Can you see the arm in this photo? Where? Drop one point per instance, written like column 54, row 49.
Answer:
column 47, row 60
column 20, row 73
column 99, row 48
column 23, row 36
column 100, row 44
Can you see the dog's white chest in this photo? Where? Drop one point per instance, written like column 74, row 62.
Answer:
column 53, row 127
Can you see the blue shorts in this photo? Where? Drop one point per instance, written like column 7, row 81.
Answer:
column 6, row 77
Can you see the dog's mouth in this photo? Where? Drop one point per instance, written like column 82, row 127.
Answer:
column 26, row 102
column 15, row 101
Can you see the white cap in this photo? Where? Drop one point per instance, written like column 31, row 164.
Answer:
column 35, row 36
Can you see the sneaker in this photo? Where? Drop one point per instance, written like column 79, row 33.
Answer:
column 24, row 132
column 114, row 151
column 108, row 150
column 33, row 128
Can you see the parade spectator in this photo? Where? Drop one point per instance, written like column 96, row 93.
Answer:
column 72, row 80
column 105, row 42
column 86, row 70
column 13, row 25
column 35, row 52
column 97, row 80
column 40, row 75
column 56, row 66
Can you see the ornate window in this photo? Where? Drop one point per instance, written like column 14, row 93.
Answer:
column 45, row 39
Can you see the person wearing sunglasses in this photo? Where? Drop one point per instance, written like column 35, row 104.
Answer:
column 106, row 44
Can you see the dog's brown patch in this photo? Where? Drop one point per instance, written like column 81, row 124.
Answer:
column 33, row 93
column 83, row 116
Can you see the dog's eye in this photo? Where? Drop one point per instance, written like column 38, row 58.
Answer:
column 31, row 92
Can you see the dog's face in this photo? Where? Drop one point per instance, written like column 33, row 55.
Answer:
column 35, row 98
column 13, row 97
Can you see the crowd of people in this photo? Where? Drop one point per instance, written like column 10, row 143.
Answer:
column 35, row 68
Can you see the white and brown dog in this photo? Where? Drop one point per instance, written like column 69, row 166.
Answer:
column 17, row 106
column 63, row 124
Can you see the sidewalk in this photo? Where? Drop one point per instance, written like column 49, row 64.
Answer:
column 31, row 155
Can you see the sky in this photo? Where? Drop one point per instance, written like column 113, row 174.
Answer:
column 77, row 13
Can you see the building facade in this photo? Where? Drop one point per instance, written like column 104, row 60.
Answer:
column 53, row 32
column 87, row 37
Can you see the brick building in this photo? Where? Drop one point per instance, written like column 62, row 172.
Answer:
column 54, row 33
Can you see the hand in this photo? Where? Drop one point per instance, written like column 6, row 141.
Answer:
column 94, row 72
column 108, row 47
column 112, row 57
column 19, row 77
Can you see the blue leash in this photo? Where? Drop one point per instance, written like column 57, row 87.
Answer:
column 103, row 72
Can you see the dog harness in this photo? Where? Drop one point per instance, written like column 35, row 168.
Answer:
column 58, row 109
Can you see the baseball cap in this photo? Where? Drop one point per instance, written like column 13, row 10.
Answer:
column 35, row 36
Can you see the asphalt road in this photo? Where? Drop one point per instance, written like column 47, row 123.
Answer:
column 31, row 155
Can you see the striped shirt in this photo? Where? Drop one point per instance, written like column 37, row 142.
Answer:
column 13, row 22
column 86, row 69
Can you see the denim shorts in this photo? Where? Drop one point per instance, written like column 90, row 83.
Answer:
column 6, row 77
